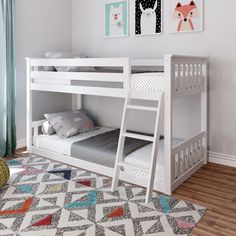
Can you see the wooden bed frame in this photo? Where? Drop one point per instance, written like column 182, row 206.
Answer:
column 184, row 76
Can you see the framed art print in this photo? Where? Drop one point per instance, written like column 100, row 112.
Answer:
column 148, row 17
column 186, row 16
column 116, row 18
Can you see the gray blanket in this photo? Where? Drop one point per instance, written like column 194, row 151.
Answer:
column 101, row 149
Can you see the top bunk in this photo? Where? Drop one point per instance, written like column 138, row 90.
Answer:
column 115, row 77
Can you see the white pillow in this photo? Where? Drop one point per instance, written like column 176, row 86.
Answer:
column 47, row 128
column 70, row 123
column 59, row 55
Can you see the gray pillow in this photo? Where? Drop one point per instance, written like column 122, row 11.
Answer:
column 47, row 128
column 59, row 55
column 70, row 123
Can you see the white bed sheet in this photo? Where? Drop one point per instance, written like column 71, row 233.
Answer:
column 63, row 146
column 140, row 157
column 154, row 81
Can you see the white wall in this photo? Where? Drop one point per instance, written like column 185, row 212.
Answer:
column 217, row 42
column 41, row 25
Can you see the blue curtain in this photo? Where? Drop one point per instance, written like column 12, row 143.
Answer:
column 7, row 78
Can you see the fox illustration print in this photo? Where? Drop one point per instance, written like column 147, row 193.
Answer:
column 185, row 14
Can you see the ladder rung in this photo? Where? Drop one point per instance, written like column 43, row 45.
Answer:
column 143, row 108
column 138, row 136
column 132, row 166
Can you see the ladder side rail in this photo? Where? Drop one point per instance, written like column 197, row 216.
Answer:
column 155, row 148
column 120, row 148
column 124, row 123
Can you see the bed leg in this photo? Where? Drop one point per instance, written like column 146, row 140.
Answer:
column 169, row 75
column 204, row 112
column 29, row 107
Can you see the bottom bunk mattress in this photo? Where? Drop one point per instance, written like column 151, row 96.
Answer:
column 99, row 146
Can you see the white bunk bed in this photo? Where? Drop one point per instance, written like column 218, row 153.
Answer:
column 182, row 76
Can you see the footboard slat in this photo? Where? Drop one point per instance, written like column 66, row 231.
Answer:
column 188, row 155
column 189, row 76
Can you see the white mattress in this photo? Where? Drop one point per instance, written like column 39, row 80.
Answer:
column 148, row 81
column 153, row 81
column 140, row 157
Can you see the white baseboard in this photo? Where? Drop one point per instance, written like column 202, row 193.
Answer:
column 21, row 143
column 222, row 159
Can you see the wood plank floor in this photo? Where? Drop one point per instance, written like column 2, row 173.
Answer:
column 213, row 186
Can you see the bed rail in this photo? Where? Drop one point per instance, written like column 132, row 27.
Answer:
column 186, row 156
column 62, row 81
column 99, row 62
column 189, row 75
column 36, row 127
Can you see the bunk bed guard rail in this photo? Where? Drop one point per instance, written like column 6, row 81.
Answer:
column 61, row 81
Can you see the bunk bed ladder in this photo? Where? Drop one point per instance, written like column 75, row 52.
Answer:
column 154, row 139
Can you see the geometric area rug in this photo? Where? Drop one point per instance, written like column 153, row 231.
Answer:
column 46, row 198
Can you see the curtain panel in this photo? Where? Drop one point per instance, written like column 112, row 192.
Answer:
column 7, row 78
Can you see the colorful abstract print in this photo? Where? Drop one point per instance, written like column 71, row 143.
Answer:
column 48, row 198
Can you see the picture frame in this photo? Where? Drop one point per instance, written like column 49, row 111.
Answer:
column 186, row 16
column 116, row 18
column 148, row 17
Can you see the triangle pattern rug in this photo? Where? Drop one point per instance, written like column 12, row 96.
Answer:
column 44, row 197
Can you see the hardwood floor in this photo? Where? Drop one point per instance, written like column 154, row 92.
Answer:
column 213, row 186
column 18, row 153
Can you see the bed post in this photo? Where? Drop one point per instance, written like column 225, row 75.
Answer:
column 204, row 111
column 168, row 124
column 29, row 106
column 77, row 101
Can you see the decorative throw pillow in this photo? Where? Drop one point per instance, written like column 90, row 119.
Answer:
column 47, row 128
column 70, row 123
column 59, row 55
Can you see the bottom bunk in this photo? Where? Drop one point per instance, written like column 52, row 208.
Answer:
column 83, row 151
column 139, row 157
